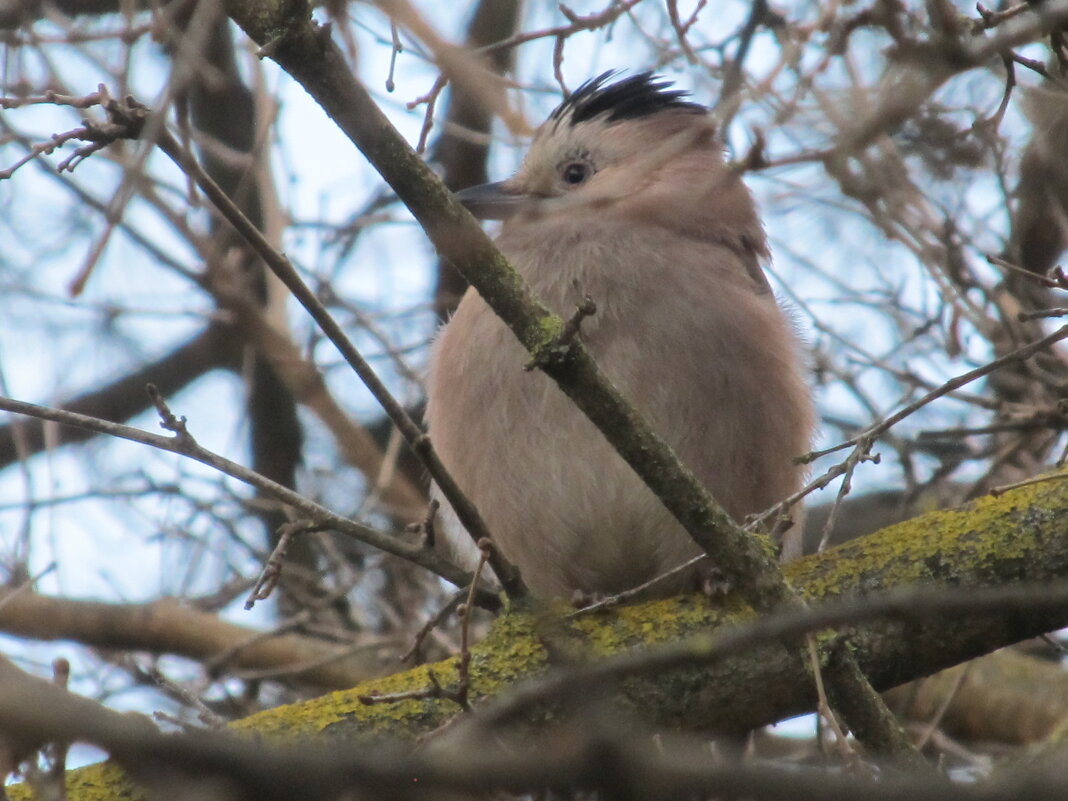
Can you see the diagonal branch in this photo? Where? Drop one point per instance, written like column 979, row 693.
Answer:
column 307, row 54
column 509, row 577
column 184, row 445
column 214, row 347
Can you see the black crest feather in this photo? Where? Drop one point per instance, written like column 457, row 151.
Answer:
column 627, row 99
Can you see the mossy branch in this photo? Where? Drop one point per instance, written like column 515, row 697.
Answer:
column 1021, row 536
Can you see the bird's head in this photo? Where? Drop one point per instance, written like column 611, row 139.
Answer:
column 634, row 148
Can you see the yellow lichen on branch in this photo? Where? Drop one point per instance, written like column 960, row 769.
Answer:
column 1021, row 536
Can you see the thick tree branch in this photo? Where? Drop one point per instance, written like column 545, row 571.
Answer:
column 1006, row 697
column 1019, row 537
column 597, row 756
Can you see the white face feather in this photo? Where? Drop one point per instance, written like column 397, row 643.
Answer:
column 598, row 161
column 564, row 159
column 601, row 127
column 605, row 143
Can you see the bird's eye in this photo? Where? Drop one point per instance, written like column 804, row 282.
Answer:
column 575, row 173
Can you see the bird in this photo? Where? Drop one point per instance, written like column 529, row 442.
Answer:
column 624, row 196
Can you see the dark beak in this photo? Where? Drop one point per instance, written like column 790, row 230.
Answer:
column 497, row 201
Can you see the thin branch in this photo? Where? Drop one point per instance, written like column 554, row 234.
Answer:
column 416, row 438
column 168, row 626
column 874, row 432
column 188, row 447
column 591, row 22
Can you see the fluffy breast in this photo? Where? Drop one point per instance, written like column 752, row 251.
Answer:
column 711, row 363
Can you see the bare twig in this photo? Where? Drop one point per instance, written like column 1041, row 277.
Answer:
column 863, row 442
column 272, row 569
column 125, row 120
column 416, row 438
column 561, row 346
column 1028, row 483
column 322, row 516
column 415, row 652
